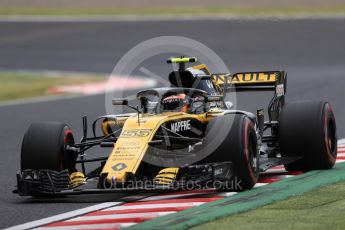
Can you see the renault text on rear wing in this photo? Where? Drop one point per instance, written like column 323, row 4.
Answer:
column 264, row 80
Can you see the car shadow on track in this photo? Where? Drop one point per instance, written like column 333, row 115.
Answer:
column 76, row 199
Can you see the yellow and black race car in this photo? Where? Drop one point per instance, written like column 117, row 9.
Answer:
column 186, row 136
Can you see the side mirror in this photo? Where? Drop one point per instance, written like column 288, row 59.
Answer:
column 120, row 101
column 124, row 101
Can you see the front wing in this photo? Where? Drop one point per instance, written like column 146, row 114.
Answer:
column 51, row 183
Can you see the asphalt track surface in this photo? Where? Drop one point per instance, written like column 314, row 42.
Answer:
column 312, row 52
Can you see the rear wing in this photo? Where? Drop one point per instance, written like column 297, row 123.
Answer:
column 264, row 80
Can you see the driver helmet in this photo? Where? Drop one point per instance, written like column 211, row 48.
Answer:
column 176, row 102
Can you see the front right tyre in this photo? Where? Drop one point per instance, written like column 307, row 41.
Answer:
column 44, row 147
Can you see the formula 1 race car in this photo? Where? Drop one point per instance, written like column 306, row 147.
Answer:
column 186, row 136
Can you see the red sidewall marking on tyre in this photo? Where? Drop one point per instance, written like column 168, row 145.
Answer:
column 250, row 170
column 67, row 132
column 330, row 156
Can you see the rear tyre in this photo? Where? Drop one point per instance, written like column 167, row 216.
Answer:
column 44, row 147
column 307, row 129
column 239, row 147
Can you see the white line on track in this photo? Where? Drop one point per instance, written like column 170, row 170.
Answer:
column 341, row 142
column 145, row 206
column 160, row 197
column 260, row 184
column 89, row 226
column 129, row 18
column 120, row 216
column 64, row 216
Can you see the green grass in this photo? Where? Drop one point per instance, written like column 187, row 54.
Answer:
column 168, row 11
column 323, row 208
column 20, row 85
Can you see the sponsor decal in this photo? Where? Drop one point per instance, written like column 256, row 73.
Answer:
column 136, row 133
column 209, row 84
column 245, row 78
column 218, row 171
column 253, row 78
column 280, row 90
column 180, row 126
column 119, row 167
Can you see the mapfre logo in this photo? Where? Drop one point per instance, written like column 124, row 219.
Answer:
column 180, row 126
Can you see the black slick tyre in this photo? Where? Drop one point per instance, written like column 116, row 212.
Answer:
column 307, row 129
column 239, row 146
column 44, row 147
